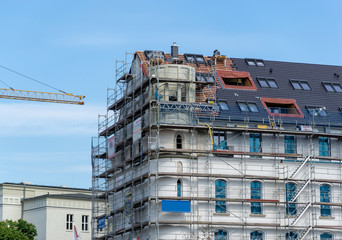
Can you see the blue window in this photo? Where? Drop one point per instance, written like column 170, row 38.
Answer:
column 179, row 187
column 256, row 194
column 326, row 236
column 291, row 208
column 221, row 235
column 257, row 235
column 291, row 236
column 255, row 142
column 325, row 197
column 323, row 146
column 289, row 144
column 220, row 192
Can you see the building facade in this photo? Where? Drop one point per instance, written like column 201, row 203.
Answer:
column 53, row 210
column 211, row 147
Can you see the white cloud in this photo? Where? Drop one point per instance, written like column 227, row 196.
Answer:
column 48, row 119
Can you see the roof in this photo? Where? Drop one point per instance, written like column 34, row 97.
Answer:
column 45, row 186
column 63, row 196
column 282, row 72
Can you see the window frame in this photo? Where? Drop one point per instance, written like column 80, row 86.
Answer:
column 257, row 232
column 221, row 234
column 85, row 223
column 267, row 80
column 289, row 195
column 255, row 62
column 281, row 101
column 223, row 102
column 248, row 106
column 324, row 150
column 325, row 237
column 332, row 85
column 220, row 192
column 317, row 113
column 325, row 210
column 69, row 222
column 300, row 84
column 179, row 187
column 179, row 141
column 256, row 207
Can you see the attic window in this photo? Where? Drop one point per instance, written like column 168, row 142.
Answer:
column 223, row 105
column 204, row 77
column 194, row 58
column 317, row 111
column 154, row 54
column 300, row 84
column 236, row 80
column 267, row 82
column 282, row 107
column 248, row 107
column 255, row 62
column 332, row 86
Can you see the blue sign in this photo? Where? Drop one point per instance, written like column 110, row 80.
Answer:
column 101, row 223
column 176, row 206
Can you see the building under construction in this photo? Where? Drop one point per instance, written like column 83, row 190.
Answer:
column 212, row 147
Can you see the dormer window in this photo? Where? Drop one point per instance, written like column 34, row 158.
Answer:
column 236, row 80
column 282, row 107
column 223, row 105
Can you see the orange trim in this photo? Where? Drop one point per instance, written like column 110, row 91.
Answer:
column 236, row 74
column 265, row 100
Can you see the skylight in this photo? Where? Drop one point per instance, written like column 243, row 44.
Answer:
column 223, row 105
column 267, row 82
column 317, row 111
column 255, row 62
column 332, row 86
column 194, row 58
column 248, row 107
column 300, row 84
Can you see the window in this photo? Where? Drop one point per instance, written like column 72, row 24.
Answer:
column 332, row 86
column 69, row 221
column 195, row 58
column 267, row 82
column 255, row 142
column 300, row 84
column 221, row 235
column 179, row 142
column 289, row 144
column 291, row 209
column 326, row 236
column 179, row 188
column 236, row 80
column 255, row 62
column 257, row 235
column 291, row 236
column 220, row 140
column 223, row 105
column 323, row 146
column 325, row 197
column 85, row 222
column 248, row 107
column 256, row 194
column 317, row 111
column 220, row 192
column 282, row 107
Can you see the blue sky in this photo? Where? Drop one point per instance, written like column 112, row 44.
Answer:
column 73, row 45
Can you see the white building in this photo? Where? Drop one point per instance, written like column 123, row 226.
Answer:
column 196, row 147
column 53, row 210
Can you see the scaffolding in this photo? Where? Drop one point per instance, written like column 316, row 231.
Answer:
column 138, row 140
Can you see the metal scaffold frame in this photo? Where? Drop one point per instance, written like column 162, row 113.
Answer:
column 127, row 182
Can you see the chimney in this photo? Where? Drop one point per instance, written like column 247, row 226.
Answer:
column 174, row 50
